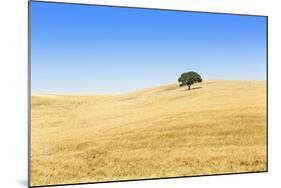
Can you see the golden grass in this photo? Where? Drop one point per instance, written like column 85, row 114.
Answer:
column 167, row 131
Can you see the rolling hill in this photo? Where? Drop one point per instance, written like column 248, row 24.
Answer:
column 217, row 127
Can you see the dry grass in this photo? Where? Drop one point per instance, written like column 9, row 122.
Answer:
column 167, row 131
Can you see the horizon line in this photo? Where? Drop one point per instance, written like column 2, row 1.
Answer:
column 134, row 91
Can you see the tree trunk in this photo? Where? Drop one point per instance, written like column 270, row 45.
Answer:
column 188, row 87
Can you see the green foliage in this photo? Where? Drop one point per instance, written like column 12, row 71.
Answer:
column 189, row 78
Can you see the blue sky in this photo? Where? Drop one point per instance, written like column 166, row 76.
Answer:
column 96, row 49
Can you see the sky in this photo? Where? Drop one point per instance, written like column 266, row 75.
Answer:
column 98, row 49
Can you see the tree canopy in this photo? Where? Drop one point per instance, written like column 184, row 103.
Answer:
column 189, row 78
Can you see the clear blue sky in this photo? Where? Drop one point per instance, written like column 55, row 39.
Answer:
column 76, row 48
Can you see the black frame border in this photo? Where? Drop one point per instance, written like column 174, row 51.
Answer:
column 130, row 180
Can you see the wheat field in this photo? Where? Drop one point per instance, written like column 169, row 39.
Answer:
column 217, row 127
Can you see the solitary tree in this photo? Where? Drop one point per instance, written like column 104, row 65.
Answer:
column 189, row 78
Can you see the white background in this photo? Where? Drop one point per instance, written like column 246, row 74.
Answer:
column 13, row 92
